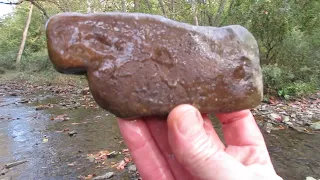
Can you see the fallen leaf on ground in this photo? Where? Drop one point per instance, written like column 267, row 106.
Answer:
column 112, row 154
column 62, row 117
column 127, row 160
column 121, row 165
column 279, row 127
column 71, row 164
column 101, row 156
column 42, row 107
column 125, row 150
column 90, row 176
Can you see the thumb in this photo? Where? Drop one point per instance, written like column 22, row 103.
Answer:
column 198, row 148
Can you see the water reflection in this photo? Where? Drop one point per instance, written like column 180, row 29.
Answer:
column 294, row 155
column 22, row 130
column 5, row 134
column 18, row 138
column 5, row 143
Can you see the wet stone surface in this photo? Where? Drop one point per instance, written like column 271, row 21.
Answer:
column 143, row 65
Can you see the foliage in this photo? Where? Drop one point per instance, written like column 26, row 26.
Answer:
column 36, row 61
column 2, row 70
column 288, row 83
column 287, row 31
column 11, row 35
column 276, row 77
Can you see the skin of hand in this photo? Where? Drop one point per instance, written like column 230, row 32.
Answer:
column 186, row 146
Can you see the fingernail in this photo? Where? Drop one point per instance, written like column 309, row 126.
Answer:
column 189, row 122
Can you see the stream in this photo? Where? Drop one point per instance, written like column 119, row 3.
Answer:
column 58, row 148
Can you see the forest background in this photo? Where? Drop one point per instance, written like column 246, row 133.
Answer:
column 287, row 31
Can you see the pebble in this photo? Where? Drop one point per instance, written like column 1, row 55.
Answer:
column 300, row 122
column 316, row 117
column 263, row 108
column 297, row 115
column 288, row 123
column 286, row 119
column 132, row 168
column 274, row 117
column 315, row 126
column 91, row 158
column 108, row 175
column 72, row 133
column 310, row 178
column 293, row 115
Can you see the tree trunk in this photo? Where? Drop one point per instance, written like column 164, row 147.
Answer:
column 229, row 12
column 162, row 8
column 89, row 10
column 230, row 7
column 123, row 4
column 149, row 5
column 219, row 13
column 136, row 5
column 207, row 16
column 24, row 35
column 41, row 9
column 194, row 13
column 173, row 9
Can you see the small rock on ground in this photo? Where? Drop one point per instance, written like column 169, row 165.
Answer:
column 315, row 126
column 108, row 175
column 132, row 168
column 310, row 178
column 72, row 133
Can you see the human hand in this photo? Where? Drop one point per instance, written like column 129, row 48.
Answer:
column 186, row 146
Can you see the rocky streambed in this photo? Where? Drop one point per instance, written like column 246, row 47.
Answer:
column 59, row 132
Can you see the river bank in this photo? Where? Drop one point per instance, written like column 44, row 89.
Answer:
column 62, row 134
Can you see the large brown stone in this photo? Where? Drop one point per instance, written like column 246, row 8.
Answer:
column 143, row 65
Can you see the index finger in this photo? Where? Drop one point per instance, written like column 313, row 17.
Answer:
column 143, row 149
column 240, row 129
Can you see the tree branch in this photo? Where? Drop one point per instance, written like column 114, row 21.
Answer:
column 216, row 21
column 149, row 5
column 12, row 3
column 40, row 8
column 162, row 8
column 32, row 2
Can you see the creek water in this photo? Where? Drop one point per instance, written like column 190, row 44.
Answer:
column 27, row 134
